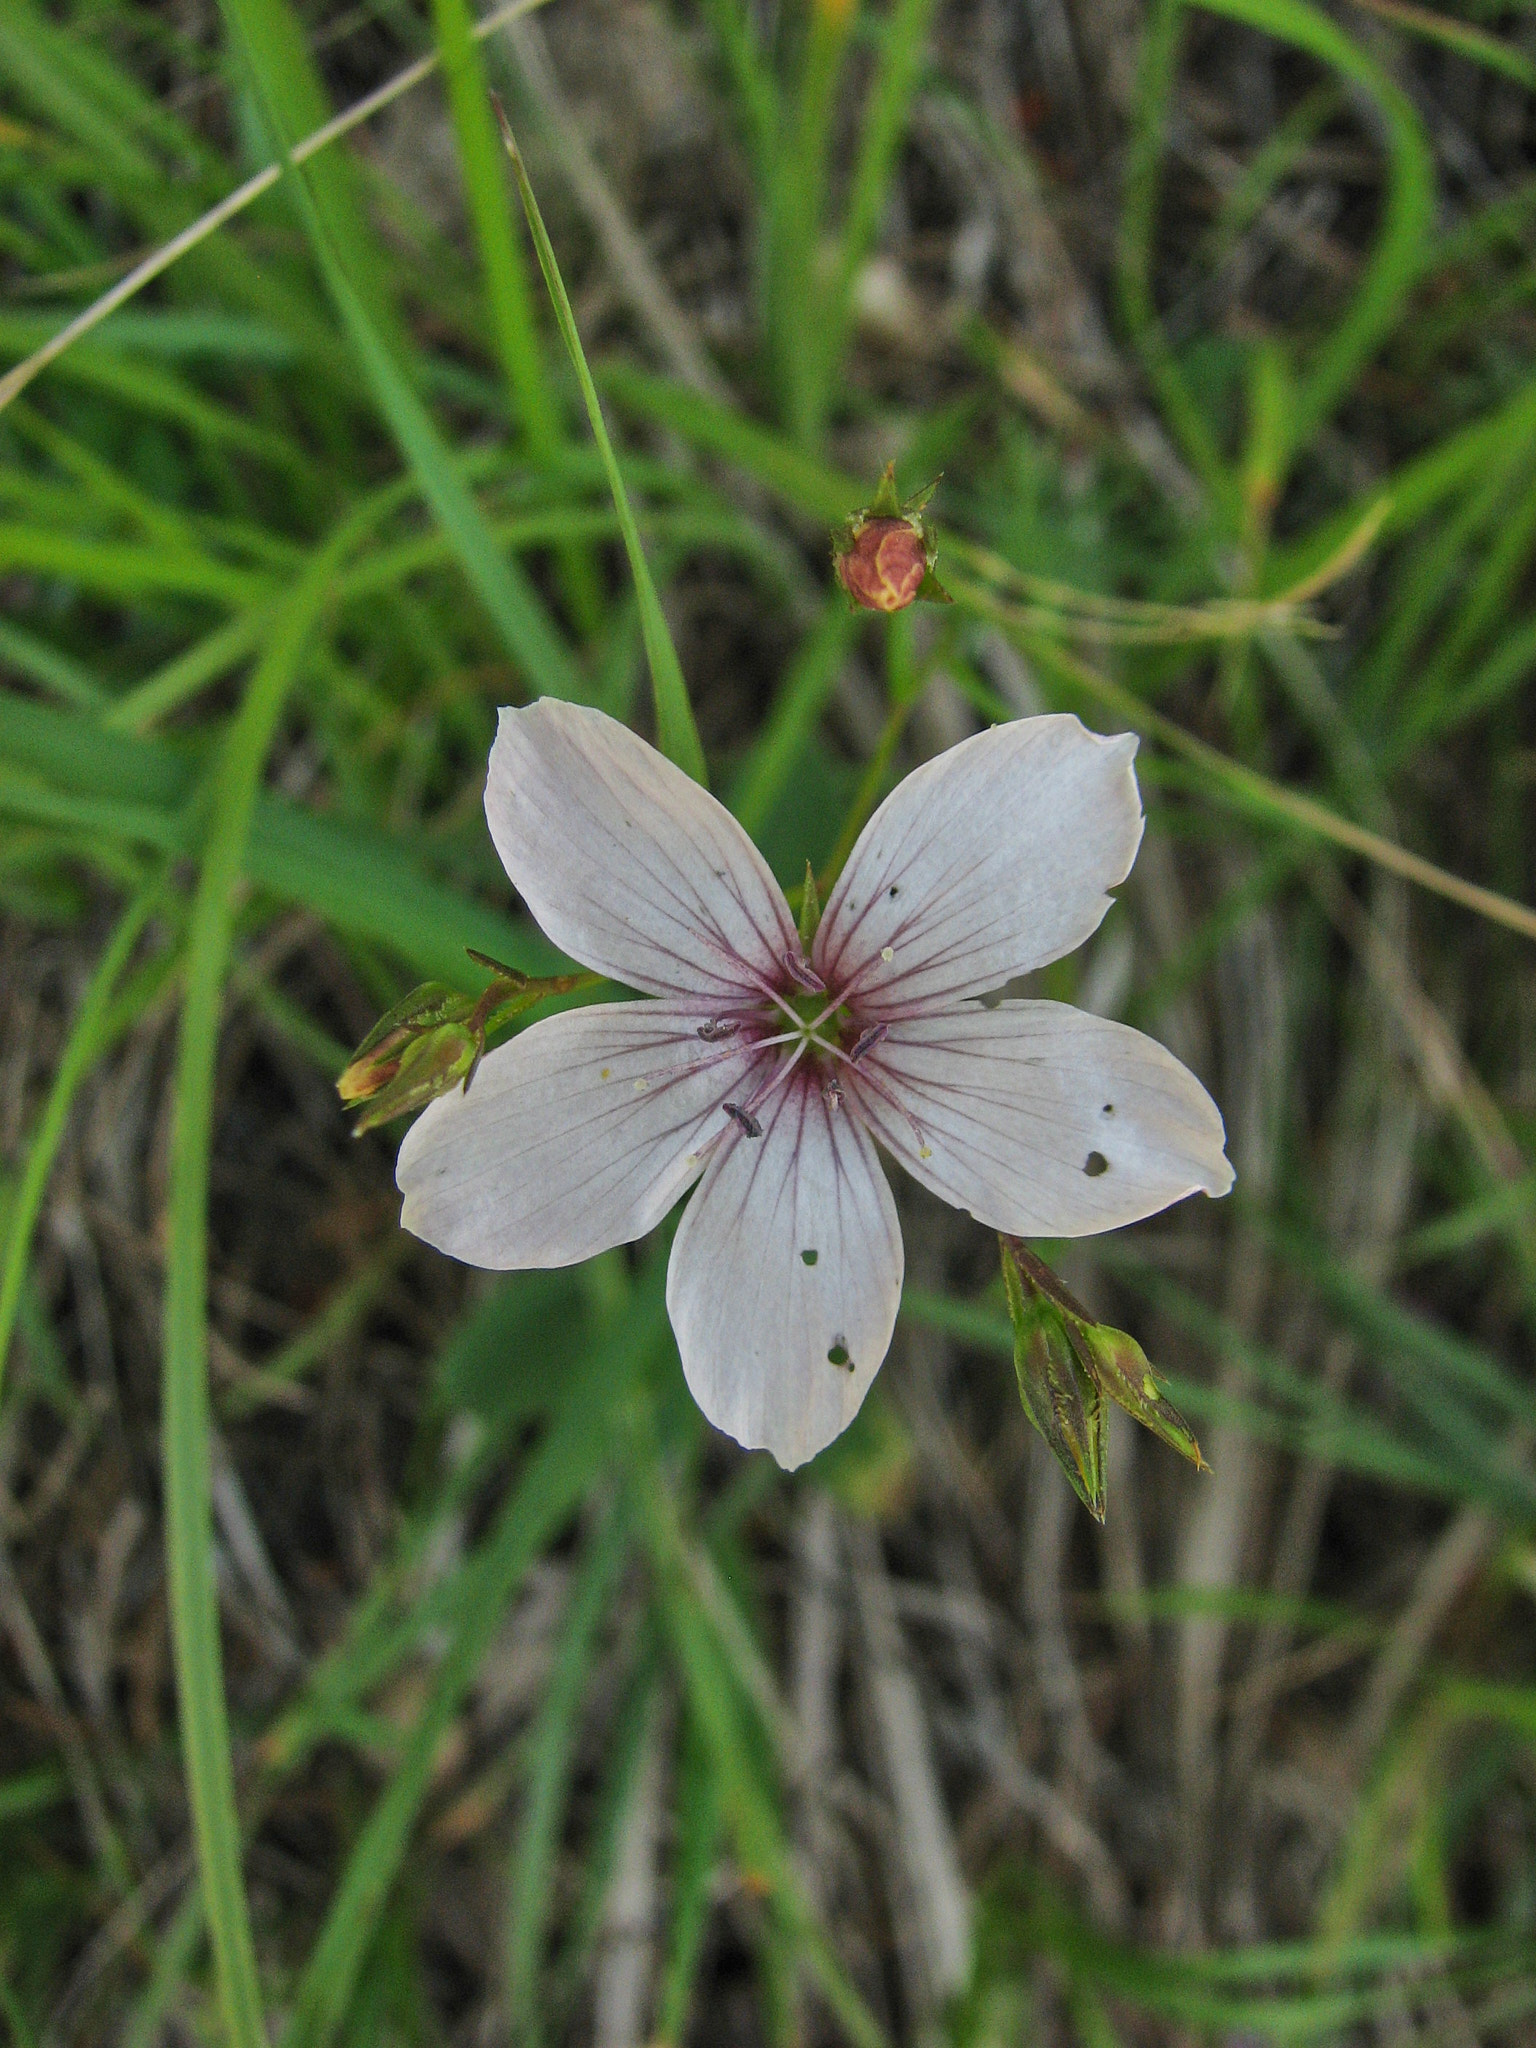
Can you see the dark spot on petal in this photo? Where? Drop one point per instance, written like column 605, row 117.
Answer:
column 1109, row 1109
column 810, row 1257
column 838, row 1355
column 1095, row 1164
column 894, row 889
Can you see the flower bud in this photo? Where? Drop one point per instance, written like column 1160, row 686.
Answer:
column 428, row 1066
column 377, row 1060
column 1068, row 1366
column 885, row 562
column 434, row 1039
column 884, row 555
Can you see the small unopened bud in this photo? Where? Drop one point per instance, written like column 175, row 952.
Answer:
column 883, row 566
column 434, row 1039
column 1068, row 1366
column 431, row 1064
column 884, row 555
column 378, row 1059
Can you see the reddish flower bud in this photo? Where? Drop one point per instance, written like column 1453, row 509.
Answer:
column 884, row 567
column 884, row 556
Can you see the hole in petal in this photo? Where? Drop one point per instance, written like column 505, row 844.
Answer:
column 810, row 1256
column 838, row 1355
column 1095, row 1164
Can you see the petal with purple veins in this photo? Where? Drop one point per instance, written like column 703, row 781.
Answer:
column 578, row 1134
column 988, row 861
column 630, row 867
column 1042, row 1121
column 786, row 1276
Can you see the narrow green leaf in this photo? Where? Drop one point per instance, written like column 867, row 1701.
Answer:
column 501, row 585
column 530, row 1889
column 797, row 705
column 185, row 1451
column 294, row 104
column 675, row 729
column 81, row 1050
column 1408, row 217
column 550, row 1487
column 55, row 671
column 501, row 255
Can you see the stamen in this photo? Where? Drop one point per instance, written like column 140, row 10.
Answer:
column 802, row 975
column 718, row 1028
column 771, row 1086
column 867, row 1041
column 744, row 1117
column 832, row 1092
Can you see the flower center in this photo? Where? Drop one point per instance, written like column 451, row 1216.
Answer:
column 820, row 1018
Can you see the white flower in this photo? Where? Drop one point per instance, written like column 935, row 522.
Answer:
column 769, row 1077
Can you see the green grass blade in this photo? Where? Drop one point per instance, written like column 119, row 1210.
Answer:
column 501, row 255
column 511, row 600
column 1460, row 36
column 187, row 1480
column 40, row 663
column 697, row 1853
column 799, row 479
column 1159, row 64
column 797, row 705
column 903, row 40
column 754, row 83
column 1408, row 216
column 294, row 104
column 675, row 728
column 80, row 1052
column 795, row 302
column 555, row 1479
column 530, row 1890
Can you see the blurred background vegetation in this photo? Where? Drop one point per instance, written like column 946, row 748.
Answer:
column 390, row 1654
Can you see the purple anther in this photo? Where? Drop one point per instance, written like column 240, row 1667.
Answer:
column 832, row 1092
column 749, row 1123
column 803, row 976
column 867, row 1041
column 718, row 1028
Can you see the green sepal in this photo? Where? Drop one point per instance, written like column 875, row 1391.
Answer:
column 1060, row 1397
column 918, row 502
column 1069, row 1365
column 810, row 910
column 886, row 504
column 427, row 1067
column 932, row 591
column 374, row 1063
column 434, row 1039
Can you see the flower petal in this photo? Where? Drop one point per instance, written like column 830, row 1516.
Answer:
column 987, row 861
column 786, row 1276
column 1041, row 1120
column 578, row 1134
column 625, row 863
